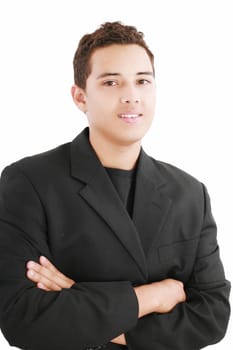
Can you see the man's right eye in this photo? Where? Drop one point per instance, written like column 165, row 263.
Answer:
column 109, row 83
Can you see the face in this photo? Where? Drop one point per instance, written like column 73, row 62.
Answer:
column 119, row 99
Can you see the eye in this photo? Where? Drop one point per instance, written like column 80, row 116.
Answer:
column 143, row 81
column 109, row 83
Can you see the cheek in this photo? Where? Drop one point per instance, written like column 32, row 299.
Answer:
column 149, row 98
column 97, row 112
column 149, row 104
column 101, row 106
column 94, row 105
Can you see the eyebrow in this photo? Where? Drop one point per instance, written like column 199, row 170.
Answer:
column 107, row 74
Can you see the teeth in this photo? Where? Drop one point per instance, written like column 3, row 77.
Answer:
column 129, row 115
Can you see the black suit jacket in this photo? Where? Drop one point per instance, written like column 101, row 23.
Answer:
column 62, row 204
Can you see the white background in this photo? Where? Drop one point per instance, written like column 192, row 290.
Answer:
column 193, row 46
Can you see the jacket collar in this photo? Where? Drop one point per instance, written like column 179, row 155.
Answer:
column 150, row 208
column 85, row 163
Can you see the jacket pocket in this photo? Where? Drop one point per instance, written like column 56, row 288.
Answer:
column 178, row 259
column 178, row 249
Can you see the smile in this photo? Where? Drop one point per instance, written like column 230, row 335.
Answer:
column 129, row 115
column 130, row 118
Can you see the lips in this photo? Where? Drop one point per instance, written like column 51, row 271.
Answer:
column 129, row 115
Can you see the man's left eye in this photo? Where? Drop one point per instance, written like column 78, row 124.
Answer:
column 143, row 81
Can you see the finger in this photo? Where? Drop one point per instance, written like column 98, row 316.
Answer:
column 41, row 273
column 43, row 282
column 43, row 287
column 68, row 282
column 50, row 273
column 47, row 263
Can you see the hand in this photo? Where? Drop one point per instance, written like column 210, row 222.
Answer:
column 168, row 294
column 47, row 276
column 159, row 297
column 119, row 340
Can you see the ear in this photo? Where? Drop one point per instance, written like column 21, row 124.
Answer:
column 79, row 97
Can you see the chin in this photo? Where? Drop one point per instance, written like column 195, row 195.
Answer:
column 130, row 139
column 137, row 135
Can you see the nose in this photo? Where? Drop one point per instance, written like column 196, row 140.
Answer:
column 129, row 94
column 129, row 100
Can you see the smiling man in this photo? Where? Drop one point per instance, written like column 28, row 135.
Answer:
column 119, row 101
column 102, row 246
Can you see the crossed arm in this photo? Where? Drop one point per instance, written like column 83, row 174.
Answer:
column 160, row 297
column 200, row 321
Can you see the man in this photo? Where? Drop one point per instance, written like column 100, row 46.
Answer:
column 101, row 245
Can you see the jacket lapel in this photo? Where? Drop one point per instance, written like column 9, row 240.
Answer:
column 101, row 195
column 151, row 204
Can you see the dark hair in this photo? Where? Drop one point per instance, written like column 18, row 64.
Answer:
column 107, row 34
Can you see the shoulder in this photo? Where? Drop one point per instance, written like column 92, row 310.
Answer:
column 42, row 165
column 173, row 173
column 179, row 183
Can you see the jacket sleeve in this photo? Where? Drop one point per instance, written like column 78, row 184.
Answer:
column 201, row 320
column 86, row 315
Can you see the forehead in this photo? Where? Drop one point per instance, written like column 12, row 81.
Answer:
column 120, row 58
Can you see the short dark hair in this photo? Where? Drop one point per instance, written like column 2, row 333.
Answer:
column 107, row 34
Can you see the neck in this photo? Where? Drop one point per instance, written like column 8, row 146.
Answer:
column 113, row 155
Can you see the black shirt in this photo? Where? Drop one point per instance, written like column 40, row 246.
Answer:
column 124, row 183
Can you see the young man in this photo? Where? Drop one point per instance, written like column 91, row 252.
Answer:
column 101, row 245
